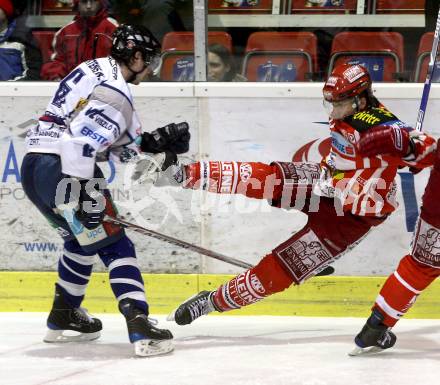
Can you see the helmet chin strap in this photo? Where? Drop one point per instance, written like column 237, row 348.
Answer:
column 355, row 104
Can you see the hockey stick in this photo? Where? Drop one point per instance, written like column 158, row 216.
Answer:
column 427, row 86
column 189, row 246
column 177, row 242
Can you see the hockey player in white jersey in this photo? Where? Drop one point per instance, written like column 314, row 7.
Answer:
column 91, row 116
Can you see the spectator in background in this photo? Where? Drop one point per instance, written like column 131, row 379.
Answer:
column 159, row 16
column 19, row 58
column 88, row 36
column 221, row 66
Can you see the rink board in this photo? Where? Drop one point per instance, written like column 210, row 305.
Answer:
column 246, row 122
column 321, row 296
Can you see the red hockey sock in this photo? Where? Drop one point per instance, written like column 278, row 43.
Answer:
column 402, row 288
column 252, row 179
column 266, row 278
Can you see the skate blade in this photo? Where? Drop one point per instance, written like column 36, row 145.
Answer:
column 62, row 336
column 148, row 348
column 358, row 351
column 171, row 316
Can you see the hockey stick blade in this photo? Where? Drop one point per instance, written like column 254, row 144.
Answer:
column 189, row 246
column 328, row 270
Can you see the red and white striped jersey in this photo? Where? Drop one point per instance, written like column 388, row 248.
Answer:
column 366, row 186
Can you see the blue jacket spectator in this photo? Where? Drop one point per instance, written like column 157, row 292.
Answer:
column 20, row 59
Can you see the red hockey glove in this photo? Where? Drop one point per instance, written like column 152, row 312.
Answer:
column 382, row 140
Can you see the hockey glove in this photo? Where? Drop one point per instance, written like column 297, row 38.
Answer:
column 390, row 140
column 414, row 170
column 173, row 137
column 91, row 206
column 162, row 169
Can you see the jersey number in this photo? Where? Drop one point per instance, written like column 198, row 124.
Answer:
column 64, row 88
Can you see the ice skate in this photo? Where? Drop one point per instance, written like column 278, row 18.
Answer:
column 374, row 337
column 67, row 324
column 147, row 339
column 193, row 308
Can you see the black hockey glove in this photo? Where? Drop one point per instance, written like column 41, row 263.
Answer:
column 91, row 209
column 173, row 137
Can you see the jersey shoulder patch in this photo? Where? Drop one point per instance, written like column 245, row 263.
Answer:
column 362, row 121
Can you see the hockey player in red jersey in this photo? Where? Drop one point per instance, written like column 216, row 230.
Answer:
column 415, row 271
column 344, row 196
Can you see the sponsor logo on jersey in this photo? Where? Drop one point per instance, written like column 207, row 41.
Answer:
column 353, row 73
column 227, row 177
column 34, row 142
column 385, row 112
column 96, row 68
column 342, row 145
column 103, row 120
column 214, row 176
column 349, row 136
column 49, row 133
column 245, row 172
column 62, row 232
column 305, row 255
column 81, row 104
column 242, row 292
column 95, row 233
column 256, row 284
column 94, row 135
column 367, row 117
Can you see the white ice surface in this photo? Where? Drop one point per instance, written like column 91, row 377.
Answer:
column 221, row 351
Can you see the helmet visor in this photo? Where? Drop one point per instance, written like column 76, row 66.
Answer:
column 153, row 63
column 340, row 109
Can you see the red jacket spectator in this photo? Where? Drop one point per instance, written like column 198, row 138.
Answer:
column 86, row 37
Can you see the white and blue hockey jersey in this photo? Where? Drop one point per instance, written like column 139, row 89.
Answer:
column 91, row 113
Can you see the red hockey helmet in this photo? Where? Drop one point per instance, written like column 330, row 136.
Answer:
column 346, row 81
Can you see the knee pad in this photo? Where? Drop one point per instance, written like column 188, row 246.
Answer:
column 304, row 255
column 426, row 244
column 122, row 248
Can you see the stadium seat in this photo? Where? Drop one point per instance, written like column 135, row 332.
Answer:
column 380, row 52
column 240, row 6
column 44, row 40
column 178, row 54
column 400, row 6
column 280, row 56
column 423, row 55
column 313, row 6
